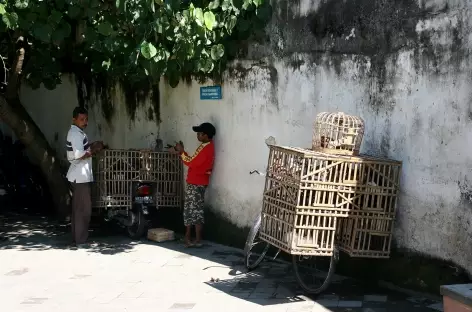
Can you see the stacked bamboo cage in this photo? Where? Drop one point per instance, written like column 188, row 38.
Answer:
column 116, row 170
column 314, row 199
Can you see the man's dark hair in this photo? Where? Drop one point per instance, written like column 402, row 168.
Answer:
column 79, row 110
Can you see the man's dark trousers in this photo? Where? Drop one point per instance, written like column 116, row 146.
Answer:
column 81, row 211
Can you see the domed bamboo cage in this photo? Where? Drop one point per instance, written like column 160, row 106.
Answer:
column 338, row 133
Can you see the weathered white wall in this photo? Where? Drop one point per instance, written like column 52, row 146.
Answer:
column 52, row 111
column 415, row 97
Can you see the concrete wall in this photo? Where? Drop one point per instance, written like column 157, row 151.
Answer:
column 403, row 66
column 52, row 111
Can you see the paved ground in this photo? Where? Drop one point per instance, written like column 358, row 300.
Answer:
column 39, row 273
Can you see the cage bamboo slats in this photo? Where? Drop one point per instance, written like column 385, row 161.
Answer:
column 338, row 133
column 309, row 195
column 366, row 234
column 115, row 170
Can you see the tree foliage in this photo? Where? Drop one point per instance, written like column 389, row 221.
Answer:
column 136, row 40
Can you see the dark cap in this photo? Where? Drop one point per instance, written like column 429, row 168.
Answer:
column 206, row 128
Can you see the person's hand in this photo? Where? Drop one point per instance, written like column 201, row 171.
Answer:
column 172, row 150
column 96, row 147
column 179, row 147
column 87, row 154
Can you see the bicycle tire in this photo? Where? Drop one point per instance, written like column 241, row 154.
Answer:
column 250, row 244
column 324, row 285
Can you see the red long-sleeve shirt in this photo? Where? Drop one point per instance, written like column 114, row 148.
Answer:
column 200, row 164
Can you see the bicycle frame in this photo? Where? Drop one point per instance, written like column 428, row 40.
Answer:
column 263, row 175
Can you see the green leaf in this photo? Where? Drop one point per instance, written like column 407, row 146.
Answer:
column 50, row 83
column 173, row 73
column 90, row 35
column 237, row 3
column 31, row 17
column 174, row 81
column 210, row 20
column 148, row 50
column 151, row 5
column 94, row 3
column 34, row 80
column 154, row 69
column 264, row 13
column 205, row 65
column 105, row 28
column 58, row 36
column 199, row 16
column 162, row 55
column 61, row 33
column 173, row 4
column 21, row 4
column 55, row 17
column 214, row 5
column 247, row 4
column 91, row 13
column 217, row 52
column 74, row 11
column 257, row 2
column 232, row 48
column 243, row 25
column 231, row 23
column 106, row 64
column 65, row 27
column 226, row 5
column 189, row 37
column 43, row 32
column 159, row 28
column 10, row 19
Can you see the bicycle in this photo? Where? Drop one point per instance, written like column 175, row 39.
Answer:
column 298, row 260
column 317, row 204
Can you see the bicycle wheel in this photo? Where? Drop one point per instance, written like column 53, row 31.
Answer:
column 252, row 257
column 314, row 273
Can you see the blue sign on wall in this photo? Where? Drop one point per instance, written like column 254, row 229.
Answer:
column 210, row 93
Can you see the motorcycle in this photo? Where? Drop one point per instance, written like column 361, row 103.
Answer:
column 144, row 207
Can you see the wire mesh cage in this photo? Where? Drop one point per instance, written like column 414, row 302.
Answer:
column 338, row 133
column 116, row 170
column 308, row 193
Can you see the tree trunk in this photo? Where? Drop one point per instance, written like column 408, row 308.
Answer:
column 17, row 118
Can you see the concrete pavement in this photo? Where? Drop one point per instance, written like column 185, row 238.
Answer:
column 38, row 272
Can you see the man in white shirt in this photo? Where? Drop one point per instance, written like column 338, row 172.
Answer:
column 80, row 175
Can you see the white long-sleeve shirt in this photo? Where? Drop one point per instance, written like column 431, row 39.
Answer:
column 80, row 170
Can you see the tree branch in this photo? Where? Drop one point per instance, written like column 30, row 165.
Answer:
column 14, row 81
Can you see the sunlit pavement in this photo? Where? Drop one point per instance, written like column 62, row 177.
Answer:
column 38, row 272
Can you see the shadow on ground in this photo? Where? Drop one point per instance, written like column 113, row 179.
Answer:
column 26, row 233
column 273, row 282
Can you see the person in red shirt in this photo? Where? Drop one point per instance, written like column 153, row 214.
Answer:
column 200, row 167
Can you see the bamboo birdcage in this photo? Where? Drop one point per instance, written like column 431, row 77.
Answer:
column 116, row 170
column 366, row 234
column 309, row 195
column 338, row 133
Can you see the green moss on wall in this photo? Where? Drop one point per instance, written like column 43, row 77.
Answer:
column 103, row 90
